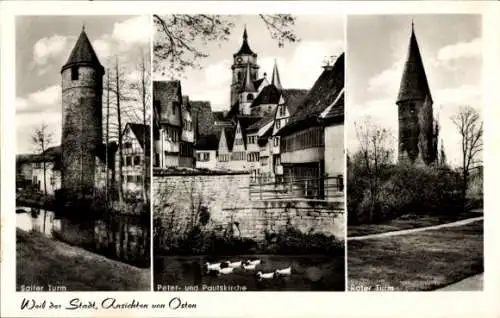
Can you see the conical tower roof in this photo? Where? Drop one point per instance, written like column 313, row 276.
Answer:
column 414, row 85
column 245, row 48
column 276, row 77
column 83, row 54
column 248, row 84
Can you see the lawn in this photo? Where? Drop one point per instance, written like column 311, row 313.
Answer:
column 42, row 261
column 416, row 262
column 409, row 221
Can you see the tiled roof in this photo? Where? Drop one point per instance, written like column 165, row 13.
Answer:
column 170, row 87
column 203, row 118
column 264, row 138
column 269, row 95
column 257, row 82
column 414, row 83
column 323, row 93
column 293, row 98
column 83, row 54
column 219, row 116
column 229, row 133
column 337, row 110
column 142, row 134
column 207, row 142
column 261, row 123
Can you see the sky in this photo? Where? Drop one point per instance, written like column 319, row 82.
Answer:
column 43, row 45
column 299, row 64
column 377, row 46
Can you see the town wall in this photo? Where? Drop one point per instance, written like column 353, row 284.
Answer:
column 179, row 198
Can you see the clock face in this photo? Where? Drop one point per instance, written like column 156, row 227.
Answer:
column 239, row 59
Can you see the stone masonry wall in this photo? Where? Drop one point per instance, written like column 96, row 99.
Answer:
column 227, row 199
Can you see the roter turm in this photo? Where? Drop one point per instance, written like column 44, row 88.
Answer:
column 82, row 78
column 418, row 131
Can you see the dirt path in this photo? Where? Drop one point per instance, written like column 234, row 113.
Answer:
column 473, row 283
column 410, row 231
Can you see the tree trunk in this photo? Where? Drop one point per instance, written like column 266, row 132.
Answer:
column 44, row 187
column 120, row 146
column 143, row 97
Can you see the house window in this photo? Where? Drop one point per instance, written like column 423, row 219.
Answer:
column 137, row 160
column 276, row 141
column 206, row 156
column 127, row 145
column 282, row 111
column 157, row 159
column 74, row 73
column 139, row 179
column 249, row 97
column 128, row 161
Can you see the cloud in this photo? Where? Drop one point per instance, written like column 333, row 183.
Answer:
column 136, row 30
column 460, row 50
column 27, row 122
column 42, row 101
column 301, row 70
column 49, row 48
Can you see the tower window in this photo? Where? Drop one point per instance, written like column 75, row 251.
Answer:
column 249, row 97
column 74, row 73
column 239, row 76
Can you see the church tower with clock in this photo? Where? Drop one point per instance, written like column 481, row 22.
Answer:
column 244, row 65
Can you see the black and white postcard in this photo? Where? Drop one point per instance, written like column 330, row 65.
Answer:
column 415, row 153
column 82, row 153
column 248, row 186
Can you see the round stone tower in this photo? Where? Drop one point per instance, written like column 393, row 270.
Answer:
column 81, row 138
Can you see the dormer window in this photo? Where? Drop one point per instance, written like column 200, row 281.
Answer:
column 74, row 73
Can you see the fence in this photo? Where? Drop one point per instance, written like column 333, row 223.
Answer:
column 322, row 188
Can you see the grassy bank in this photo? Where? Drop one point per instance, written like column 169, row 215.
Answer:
column 415, row 262
column 42, row 261
column 408, row 221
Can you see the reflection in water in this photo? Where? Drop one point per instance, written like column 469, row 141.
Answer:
column 122, row 237
column 43, row 221
column 309, row 273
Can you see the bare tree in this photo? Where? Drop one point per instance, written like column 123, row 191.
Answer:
column 181, row 37
column 42, row 138
column 375, row 153
column 470, row 127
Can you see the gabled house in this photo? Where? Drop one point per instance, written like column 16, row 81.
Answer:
column 318, row 120
column 186, row 151
column 167, row 104
column 225, row 147
column 136, row 157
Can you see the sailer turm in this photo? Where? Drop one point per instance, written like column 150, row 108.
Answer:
column 82, row 78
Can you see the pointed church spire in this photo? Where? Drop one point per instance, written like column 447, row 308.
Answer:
column 83, row 53
column 276, row 77
column 414, row 85
column 245, row 48
column 248, row 84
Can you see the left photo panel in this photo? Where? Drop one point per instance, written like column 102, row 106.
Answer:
column 83, row 172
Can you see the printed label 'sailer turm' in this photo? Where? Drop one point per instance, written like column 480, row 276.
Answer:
column 418, row 131
column 82, row 78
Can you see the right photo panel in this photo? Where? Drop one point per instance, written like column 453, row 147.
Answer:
column 414, row 153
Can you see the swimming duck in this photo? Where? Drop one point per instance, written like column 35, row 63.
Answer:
column 254, row 262
column 213, row 266
column 248, row 267
column 226, row 270
column 265, row 276
column 233, row 264
column 284, row 272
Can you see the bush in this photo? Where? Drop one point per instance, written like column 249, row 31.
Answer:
column 292, row 241
column 404, row 189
